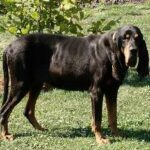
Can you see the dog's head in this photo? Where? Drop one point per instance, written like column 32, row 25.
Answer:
column 130, row 42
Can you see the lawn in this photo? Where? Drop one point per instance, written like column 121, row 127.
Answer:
column 67, row 115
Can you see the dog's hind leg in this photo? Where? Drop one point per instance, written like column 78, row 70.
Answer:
column 29, row 111
column 16, row 94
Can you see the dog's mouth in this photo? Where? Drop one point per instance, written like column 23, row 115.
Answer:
column 132, row 61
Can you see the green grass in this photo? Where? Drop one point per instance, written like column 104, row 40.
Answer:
column 67, row 115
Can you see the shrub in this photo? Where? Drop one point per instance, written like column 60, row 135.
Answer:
column 23, row 17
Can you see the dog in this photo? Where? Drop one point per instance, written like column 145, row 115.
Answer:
column 95, row 63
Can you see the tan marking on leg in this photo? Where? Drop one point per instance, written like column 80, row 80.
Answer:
column 112, row 117
column 100, row 139
column 30, row 109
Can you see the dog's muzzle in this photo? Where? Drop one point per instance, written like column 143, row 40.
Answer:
column 133, row 54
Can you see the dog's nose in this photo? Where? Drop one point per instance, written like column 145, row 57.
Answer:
column 133, row 51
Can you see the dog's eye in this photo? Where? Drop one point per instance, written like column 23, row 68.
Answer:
column 136, row 35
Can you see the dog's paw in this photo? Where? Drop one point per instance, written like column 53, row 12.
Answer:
column 8, row 137
column 117, row 134
column 40, row 128
column 103, row 141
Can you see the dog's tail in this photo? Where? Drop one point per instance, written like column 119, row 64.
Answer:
column 6, row 77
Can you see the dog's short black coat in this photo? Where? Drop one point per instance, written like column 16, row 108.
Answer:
column 96, row 63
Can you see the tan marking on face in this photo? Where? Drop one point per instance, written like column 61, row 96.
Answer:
column 136, row 35
column 127, row 36
column 127, row 53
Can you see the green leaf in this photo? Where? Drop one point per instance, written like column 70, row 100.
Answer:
column 67, row 4
column 35, row 15
column 109, row 25
column 73, row 29
column 81, row 15
column 2, row 29
column 63, row 27
column 12, row 30
column 79, row 27
column 8, row 1
column 25, row 30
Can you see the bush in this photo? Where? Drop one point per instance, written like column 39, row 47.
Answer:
column 63, row 17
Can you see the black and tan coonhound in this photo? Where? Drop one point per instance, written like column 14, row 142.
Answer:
column 96, row 63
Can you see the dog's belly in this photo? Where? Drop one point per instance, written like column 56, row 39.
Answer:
column 70, row 82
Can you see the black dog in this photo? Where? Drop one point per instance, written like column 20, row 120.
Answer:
column 96, row 63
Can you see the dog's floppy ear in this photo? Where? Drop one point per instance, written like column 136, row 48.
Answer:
column 118, row 69
column 116, row 39
column 143, row 64
column 114, row 36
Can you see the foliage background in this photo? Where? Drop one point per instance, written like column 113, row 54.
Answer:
column 23, row 17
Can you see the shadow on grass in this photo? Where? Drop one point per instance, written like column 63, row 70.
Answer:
column 133, row 79
column 134, row 14
column 27, row 134
column 139, row 135
column 137, row 82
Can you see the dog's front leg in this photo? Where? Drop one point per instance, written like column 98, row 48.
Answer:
column 111, row 103
column 97, row 100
